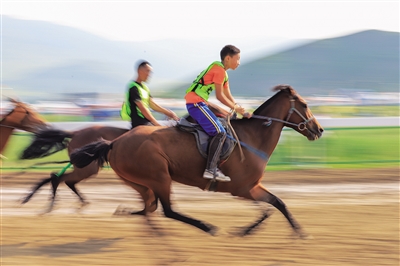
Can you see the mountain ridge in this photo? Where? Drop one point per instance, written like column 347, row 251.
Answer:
column 41, row 58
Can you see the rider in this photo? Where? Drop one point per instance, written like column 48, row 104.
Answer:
column 138, row 100
column 214, row 78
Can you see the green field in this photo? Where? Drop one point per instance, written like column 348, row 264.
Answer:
column 338, row 148
column 355, row 110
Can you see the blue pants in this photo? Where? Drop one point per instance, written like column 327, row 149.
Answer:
column 206, row 118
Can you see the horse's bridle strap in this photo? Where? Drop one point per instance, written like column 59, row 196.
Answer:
column 301, row 126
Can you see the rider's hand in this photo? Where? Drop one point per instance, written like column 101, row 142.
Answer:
column 247, row 115
column 173, row 115
column 239, row 109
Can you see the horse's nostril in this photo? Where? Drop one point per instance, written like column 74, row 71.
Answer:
column 321, row 130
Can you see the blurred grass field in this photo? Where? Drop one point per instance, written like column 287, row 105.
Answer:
column 338, row 148
column 355, row 110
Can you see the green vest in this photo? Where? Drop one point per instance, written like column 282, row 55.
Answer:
column 144, row 94
column 202, row 89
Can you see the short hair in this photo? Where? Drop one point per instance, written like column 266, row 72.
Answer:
column 142, row 63
column 230, row 50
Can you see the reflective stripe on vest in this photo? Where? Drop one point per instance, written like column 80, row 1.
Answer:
column 198, row 85
column 144, row 94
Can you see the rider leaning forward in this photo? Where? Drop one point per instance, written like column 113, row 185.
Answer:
column 215, row 78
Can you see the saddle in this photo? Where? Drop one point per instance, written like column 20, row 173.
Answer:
column 187, row 124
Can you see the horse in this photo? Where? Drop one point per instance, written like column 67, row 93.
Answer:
column 52, row 140
column 148, row 159
column 21, row 117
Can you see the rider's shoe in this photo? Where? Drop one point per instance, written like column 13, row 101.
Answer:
column 219, row 176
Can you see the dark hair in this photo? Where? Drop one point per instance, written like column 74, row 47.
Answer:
column 142, row 64
column 230, row 50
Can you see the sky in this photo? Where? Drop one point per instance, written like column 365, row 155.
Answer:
column 208, row 20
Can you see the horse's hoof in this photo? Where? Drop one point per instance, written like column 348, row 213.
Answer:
column 214, row 231
column 84, row 203
column 302, row 235
column 306, row 236
column 25, row 200
column 241, row 231
column 122, row 210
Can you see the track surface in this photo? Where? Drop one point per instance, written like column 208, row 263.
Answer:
column 353, row 216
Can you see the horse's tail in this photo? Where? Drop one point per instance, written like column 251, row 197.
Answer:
column 95, row 151
column 46, row 142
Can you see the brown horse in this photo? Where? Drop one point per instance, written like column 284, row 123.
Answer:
column 49, row 141
column 21, row 117
column 149, row 158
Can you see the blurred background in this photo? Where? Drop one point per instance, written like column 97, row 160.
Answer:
column 72, row 67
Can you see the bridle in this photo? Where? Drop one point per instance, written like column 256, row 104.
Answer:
column 301, row 126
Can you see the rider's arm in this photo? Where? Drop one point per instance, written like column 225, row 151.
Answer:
column 218, row 109
column 227, row 92
column 167, row 112
column 227, row 100
column 147, row 114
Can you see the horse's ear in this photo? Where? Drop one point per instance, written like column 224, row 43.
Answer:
column 12, row 100
column 281, row 87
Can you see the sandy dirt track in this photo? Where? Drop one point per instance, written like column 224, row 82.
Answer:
column 353, row 216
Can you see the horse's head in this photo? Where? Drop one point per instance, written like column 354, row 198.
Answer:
column 299, row 116
column 23, row 117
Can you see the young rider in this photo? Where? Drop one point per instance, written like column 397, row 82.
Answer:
column 214, row 78
column 138, row 102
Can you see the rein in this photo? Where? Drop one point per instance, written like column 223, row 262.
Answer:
column 236, row 138
column 301, row 126
column 1, row 125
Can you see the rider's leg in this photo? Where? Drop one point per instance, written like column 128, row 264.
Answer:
column 213, row 127
column 214, row 152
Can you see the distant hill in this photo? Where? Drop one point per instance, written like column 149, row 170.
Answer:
column 367, row 61
column 41, row 60
column 40, row 56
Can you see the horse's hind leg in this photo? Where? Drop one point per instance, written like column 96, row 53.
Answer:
column 71, row 185
column 149, row 199
column 55, row 181
column 36, row 188
column 71, row 179
column 259, row 193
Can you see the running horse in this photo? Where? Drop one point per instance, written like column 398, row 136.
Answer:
column 148, row 159
column 51, row 140
column 21, row 117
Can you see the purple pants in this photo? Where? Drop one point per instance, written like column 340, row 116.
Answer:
column 206, row 118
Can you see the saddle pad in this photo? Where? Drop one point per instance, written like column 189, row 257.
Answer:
column 202, row 138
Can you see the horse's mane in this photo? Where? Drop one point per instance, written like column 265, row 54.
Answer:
column 280, row 89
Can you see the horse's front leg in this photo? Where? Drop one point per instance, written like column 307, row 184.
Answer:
column 259, row 193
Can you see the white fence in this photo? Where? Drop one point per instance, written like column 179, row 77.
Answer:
column 325, row 122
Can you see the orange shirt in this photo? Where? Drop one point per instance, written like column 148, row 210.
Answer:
column 216, row 74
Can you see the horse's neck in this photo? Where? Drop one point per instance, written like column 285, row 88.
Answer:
column 259, row 136
column 5, row 133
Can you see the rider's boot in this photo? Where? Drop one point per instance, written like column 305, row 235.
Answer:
column 214, row 151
